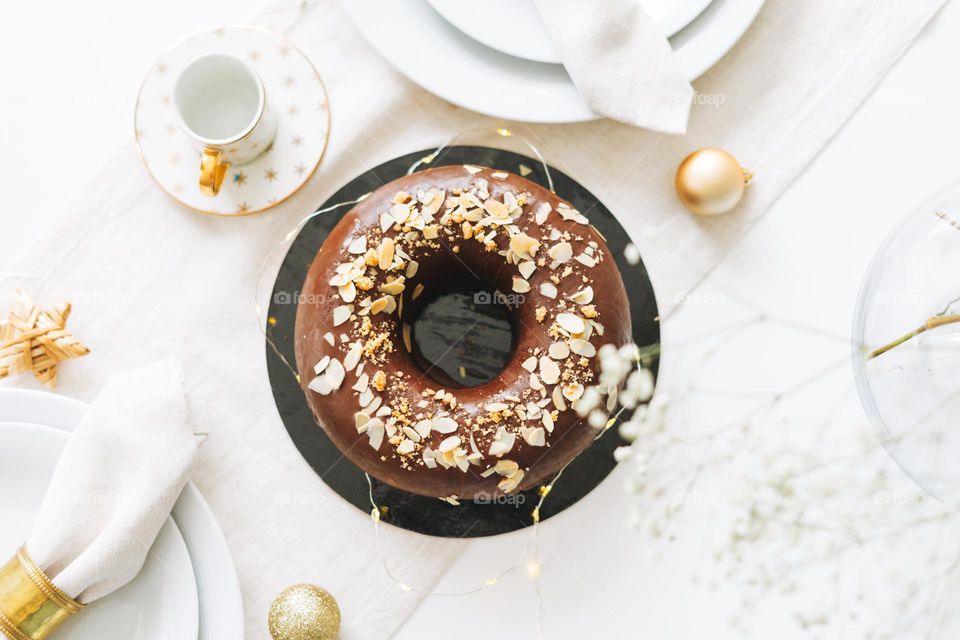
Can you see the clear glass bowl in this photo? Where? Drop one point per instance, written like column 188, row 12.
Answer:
column 911, row 390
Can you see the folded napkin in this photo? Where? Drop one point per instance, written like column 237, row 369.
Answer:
column 620, row 62
column 115, row 484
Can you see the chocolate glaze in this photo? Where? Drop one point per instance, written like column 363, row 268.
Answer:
column 442, row 270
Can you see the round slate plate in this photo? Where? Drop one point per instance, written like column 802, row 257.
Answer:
column 417, row 513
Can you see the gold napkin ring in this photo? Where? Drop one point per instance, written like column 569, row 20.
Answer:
column 31, row 606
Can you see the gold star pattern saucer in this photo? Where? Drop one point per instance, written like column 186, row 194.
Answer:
column 303, row 124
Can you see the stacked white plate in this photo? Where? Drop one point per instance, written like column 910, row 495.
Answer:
column 494, row 56
column 188, row 585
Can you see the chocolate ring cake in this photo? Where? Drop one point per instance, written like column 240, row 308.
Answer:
column 427, row 234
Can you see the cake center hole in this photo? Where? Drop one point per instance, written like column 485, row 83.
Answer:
column 463, row 338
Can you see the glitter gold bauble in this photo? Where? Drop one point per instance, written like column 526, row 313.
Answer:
column 304, row 612
column 710, row 181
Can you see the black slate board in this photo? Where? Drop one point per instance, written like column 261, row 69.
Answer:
column 417, row 513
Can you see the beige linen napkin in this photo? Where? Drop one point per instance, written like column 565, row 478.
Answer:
column 115, row 483
column 620, row 62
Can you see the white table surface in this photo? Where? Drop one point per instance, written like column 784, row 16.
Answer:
column 70, row 76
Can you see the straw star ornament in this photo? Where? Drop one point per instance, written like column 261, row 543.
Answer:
column 36, row 340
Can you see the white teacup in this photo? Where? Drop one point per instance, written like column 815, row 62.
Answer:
column 222, row 107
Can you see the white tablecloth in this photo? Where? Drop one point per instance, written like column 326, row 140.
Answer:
column 150, row 280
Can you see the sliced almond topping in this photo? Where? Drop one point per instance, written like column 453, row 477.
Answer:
column 386, row 221
column 329, row 337
column 358, row 246
column 362, row 384
column 400, row 213
column 584, row 296
column 444, row 424
column 542, row 212
column 417, row 290
column 549, row 370
column 530, row 364
column 449, row 444
column 321, row 365
column 431, row 232
column 394, row 288
column 348, row 292
column 560, row 252
column 527, row 268
column 405, row 447
column 524, row 246
column 502, row 443
column 352, row 359
column 548, row 289
column 375, row 431
column 520, row 285
column 585, row 260
column 334, row 373
column 571, row 323
column 558, row 400
column 471, row 169
column 534, row 436
column 506, row 467
column 412, row 267
column 407, row 341
column 559, row 350
column 411, row 433
column 360, row 420
column 582, row 348
column 320, row 385
column 423, row 428
column 381, row 304
column 547, row 420
column 385, row 254
column 496, row 406
column 572, row 391
column 341, row 314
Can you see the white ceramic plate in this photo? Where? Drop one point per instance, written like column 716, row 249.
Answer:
column 467, row 73
column 514, row 26
column 160, row 603
column 218, row 592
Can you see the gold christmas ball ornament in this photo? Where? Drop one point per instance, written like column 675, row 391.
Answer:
column 304, row 612
column 710, row 181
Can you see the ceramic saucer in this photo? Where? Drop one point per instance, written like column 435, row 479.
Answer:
column 303, row 125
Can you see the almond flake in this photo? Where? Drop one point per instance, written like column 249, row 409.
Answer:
column 549, row 370
column 335, row 373
column 341, row 314
column 352, row 359
column 449, row 444
column 417, row 290
column 571, row 323
column 394, row 288
column 561, row 252
column 559, row 350
column 321, row 365
column 329, row 337
column 348, row 292
column 400, row 213
column 360, row 420
column 535, row 437
column 471, row 169
column 362, row 383
column 386, row 221
column 584, row 296
column 527, row 268
column 548, row 289
column 412, row 268
column 320, row 385
column 496, row 406
column 405, row 447
column 358, row 246
column 540, row 216
column 530, row 364
column 582, row 348
column 444, row 425
column 572, row 391
column 547, row 420
column 407, row 342
column 520, row 285
column 375, row 431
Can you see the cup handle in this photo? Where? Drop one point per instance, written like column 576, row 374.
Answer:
column 212, row 170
